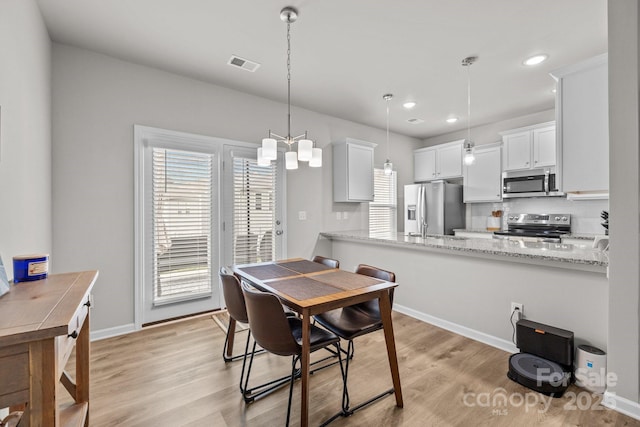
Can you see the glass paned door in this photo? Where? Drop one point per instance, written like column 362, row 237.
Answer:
column 254, row 226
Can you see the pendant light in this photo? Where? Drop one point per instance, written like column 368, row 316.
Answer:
column 306, row 151
column 388, row 166
column 469, row 158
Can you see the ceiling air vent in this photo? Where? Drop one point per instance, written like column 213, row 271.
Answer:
column 415, row 121
column 242, row 63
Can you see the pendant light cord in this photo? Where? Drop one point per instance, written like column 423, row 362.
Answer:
column 469, row 104
column 289, row 84
column 388, row 99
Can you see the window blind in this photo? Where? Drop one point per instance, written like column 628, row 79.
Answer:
column 383, row 209
column 181, row 214
column 254, row 211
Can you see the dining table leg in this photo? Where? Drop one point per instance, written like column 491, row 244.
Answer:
column 306, row 346
column 385, row 313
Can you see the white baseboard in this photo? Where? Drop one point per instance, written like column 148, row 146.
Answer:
column 622, row 405
column 505, row 345
column 112, row 332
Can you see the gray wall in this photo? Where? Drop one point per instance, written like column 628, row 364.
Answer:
column 25, row 132
column 624, row 179
column 96, row 102
column 476, row 293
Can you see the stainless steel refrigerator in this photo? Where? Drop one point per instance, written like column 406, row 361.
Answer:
column 433, row 208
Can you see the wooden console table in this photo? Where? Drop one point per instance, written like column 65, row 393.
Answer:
column 40, row 323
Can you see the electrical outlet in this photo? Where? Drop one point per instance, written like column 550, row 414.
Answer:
column 338, row 216
column 302, row 215
column 345, row 215
column 519, row 306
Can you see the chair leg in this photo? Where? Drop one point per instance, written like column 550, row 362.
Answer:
column 253, row 393
column 347, row 410
column 227, row 358
column 244, row 362
column 294, row 361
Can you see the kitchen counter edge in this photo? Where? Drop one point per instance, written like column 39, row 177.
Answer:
column 577, row 259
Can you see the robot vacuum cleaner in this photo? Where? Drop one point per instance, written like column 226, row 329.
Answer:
column 545, row 361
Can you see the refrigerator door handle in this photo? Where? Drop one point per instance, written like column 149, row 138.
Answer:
column 425, row 210
column 419, row 210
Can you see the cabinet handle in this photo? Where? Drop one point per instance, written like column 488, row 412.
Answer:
column 73, row 335
column 526, row 163
column 535, row 161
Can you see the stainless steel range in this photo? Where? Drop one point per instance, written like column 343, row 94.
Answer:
column 536, row 227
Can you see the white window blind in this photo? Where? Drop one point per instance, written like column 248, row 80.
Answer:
column 383, row 209
column 181, row 213
column 254, row 211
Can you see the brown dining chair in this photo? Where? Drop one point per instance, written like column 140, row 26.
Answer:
column 351, row 322
column 329, row 262
column 237, row 310
column 280, row 334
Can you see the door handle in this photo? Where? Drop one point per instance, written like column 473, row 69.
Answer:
column 279, row 232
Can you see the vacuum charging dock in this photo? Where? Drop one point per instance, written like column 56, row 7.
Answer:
column 545, row 361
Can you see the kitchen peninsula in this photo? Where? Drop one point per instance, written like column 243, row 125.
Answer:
column 467, row 285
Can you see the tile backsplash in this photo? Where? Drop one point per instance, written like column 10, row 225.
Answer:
column 585, row 214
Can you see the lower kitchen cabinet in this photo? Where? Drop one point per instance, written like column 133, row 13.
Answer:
column 483, row 179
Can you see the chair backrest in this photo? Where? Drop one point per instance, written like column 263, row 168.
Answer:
column 368, row 270
column 333, row 263
column 233, row 296
column 268, row 322
column 266, row 246
column 376, row 272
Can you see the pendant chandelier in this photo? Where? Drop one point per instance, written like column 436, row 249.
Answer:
column 388, row 166
column 306, row 151
column 469, row 158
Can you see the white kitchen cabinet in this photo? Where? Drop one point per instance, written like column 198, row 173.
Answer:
column 529, row 147
column 483, row 179
column 583, row 127
column 353, row 170
column 438, row 162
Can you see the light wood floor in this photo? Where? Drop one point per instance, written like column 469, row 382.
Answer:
column 173, row 375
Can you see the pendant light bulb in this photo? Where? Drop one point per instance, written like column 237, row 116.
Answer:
column 388, row 166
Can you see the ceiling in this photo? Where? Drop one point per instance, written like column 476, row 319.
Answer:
column 347, row 54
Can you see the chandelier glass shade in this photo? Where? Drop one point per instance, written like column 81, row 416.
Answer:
column 306, row 150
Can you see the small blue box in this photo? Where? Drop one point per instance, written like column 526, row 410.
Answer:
column 30, row 267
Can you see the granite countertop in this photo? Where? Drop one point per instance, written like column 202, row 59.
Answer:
column 517, row 250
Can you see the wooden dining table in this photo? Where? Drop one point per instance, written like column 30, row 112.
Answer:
column 311, row 288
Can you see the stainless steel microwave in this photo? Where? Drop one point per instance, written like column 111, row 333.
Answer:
column 530, row 183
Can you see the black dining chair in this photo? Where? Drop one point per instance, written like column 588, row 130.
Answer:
column 237, row 310
column 351, row 322
column 280, row 334
column 329, row 262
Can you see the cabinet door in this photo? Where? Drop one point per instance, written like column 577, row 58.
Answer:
column 360, row 172
column 583, row 97
column 544, row 147
column 424, row 165
column 517, row 151
column 449, row 161
column 482, row 180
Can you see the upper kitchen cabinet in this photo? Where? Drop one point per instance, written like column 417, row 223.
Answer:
column 583, row 128
column 438, row 162
column 353, row 170
column 483, row 179
column 529, row 147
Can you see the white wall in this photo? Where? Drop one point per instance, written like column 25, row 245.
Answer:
column 624, row 180
column 25, row 132
column 96, row 102
column 489, row 133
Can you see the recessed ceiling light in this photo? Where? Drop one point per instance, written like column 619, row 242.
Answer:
column 409, row 105
column 536, row 59
column 452, row 119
